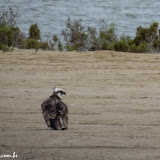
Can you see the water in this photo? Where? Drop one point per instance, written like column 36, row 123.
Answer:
column 51, row 15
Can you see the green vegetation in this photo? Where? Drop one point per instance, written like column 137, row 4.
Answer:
column 10, row 35
column 60, row 46
column 6, row 37
column 78, row 37
column 74, row 35
column 104, row 38
column 33, row 42
column 34, row 32
column 56, row 44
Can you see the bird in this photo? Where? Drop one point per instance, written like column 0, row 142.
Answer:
column 55, row 112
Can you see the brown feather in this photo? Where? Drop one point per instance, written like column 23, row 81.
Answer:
column 53, row 109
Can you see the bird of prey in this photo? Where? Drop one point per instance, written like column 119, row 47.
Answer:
column 54, row 111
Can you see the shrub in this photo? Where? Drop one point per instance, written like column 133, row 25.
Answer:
column 146, row 35
column 78, row 37
column 18, row 37
column 55, row 38
column 34, row 44
column 75, row 35
column 146, row 39
column 34, row 32
column 108, row 33
column 125, row 44
column 93, row 39
column 56, row 44
column 16, row 32
column 4, row 48
column 133, row 48
column 10, row 35
column 6, row 38
column 156, row 45
column 143, row 48
column 31, row 43
column 69, row 48
column 21, row 38
column 60, row 46
column 121, row 46
column 104, row 39
column 44, row 45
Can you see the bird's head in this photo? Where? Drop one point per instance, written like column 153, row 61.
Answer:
column 58, row 91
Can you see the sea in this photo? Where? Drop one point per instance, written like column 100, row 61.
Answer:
column 51, row 15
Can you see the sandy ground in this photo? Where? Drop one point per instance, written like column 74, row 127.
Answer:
column 113, row 100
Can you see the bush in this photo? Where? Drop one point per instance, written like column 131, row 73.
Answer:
column 31, row 43
column 147, row 39
column 18, row 37
column 60, row 46
column 34, row 44
column 10, row 35
column 75, row 35
column 133, row 48
column 6, row 38
column 104, row 39
column 146, row 35
column 143, row 48
column 44, row 45
column 125, row 44
column 93, row 40
column 34, row 32
column 16, row 32
column 56, row 44
column 78, row 37
column 156, row 45
column 108, row 34
column 4, row 48
column 121, row 46
column 55, row 38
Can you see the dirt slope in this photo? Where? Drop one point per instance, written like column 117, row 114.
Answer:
column 113, row 100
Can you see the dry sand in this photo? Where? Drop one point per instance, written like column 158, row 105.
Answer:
column 113, row 100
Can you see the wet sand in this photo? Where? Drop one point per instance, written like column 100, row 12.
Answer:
column 113, row 100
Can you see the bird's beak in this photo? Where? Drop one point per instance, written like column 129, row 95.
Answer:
column 64, row 93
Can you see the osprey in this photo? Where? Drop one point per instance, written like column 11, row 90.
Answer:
column 54, row 110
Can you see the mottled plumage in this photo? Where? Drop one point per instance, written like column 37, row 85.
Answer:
column 55, row 111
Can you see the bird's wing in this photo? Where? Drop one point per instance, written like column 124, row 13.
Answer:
column 49, row 110
column 62, row 108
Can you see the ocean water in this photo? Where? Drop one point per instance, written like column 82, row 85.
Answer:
column 51, row 15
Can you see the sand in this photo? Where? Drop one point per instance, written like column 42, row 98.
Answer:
column 113, row 100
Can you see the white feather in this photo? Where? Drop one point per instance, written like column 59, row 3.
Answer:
column 57, row 89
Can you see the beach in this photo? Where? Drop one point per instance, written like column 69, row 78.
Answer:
column 113, row 100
